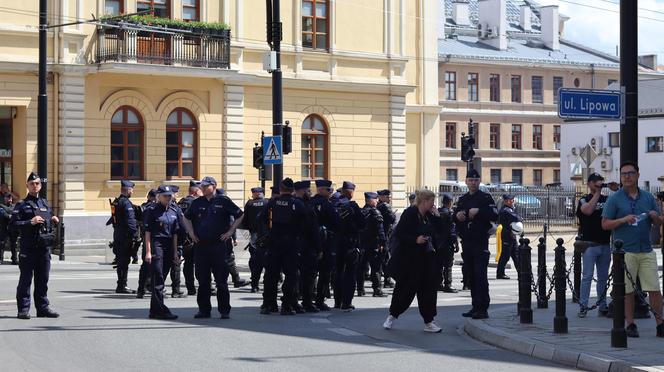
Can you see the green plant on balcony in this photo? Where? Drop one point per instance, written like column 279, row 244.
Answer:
column 211, row 28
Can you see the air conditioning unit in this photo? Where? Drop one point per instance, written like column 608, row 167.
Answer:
column 608, row 151
column 482, row 30
column 493, row 31
column 597, row 144
column 606, row 165
column 574, row 151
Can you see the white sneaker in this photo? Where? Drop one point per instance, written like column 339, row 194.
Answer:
column 432, row 327
column 389, row 322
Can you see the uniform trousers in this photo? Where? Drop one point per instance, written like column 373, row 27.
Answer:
column 33, row 261
column 162, row 255
column 188, row 267
column 256, row 260
column 325, row 268
column 373, row 258
column 345, row 275
column 210, row 259
column 509, row 249
column 281, row 257
column 476, row 261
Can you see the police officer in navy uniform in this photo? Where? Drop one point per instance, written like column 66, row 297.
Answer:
column 125, row 232
column 187, row 245
column 372, row 243
column 348, row 252
column 8, row 236
column 448, row 243
column 251, row 223
column 161, row 226
column 506, row 216
column 328, row 222
column 474, row 213
column 389, row 220
column 208, row 222
column 310, row 250
column 144, row 271
column 173, row 267
column 34, row 220
column 286, row 221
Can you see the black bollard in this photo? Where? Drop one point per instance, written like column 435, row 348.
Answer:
column 618, row 334
column 542, row 301
column 61, row 255
column 560, row 320
column 526, row 311
column 578, row 256
column 519, row 277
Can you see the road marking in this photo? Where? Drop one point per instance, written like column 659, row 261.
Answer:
column 320, row 321
column 344, row 332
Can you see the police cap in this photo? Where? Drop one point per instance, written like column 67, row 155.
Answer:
column 508, row 197
column 165, row 190
column 255, row 190
column 347, row 185
column 323, row 183
column 152, row 193
column 595, row 177
column 123, row 183
column 207, row 181
column 411, row 197
column 301, row 185
column 370, row 195
column 194, row 183
column 287, row 184
column 472, row 174
column 33, row 176
column 447, row 198
column 384, row 192
column 174, row 188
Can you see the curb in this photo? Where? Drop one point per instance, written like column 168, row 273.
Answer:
column 481, row 331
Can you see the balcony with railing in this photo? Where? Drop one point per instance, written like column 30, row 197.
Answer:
column 129, row 42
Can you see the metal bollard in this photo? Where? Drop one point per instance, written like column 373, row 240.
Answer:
column 61, row 256
column 542, row 301
column 526, row 269
column 578, row 254
column 618, row 334
column 560, row 320
column 519, row 277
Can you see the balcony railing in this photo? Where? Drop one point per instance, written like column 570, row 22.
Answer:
column 168, row 47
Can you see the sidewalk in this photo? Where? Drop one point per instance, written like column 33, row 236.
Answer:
column 586, row 346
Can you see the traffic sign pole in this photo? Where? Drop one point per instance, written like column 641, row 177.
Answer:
column 629, row 42
column 274, row 40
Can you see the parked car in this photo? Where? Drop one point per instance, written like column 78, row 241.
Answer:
column 525, row 203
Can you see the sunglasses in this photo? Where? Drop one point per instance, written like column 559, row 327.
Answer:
column 628, row 174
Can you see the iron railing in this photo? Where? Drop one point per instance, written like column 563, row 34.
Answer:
column 167, row 47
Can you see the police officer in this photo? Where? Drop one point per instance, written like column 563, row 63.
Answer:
column 506, row 217
column 187, row 244
column 252, row 210
column 208, row 222
column 161, row 236
column 310, row 250
column 172, row 267
column 351, row 222
column 448, row 243
column 34, row 219
column 8, row 236
column 474, row 213
column 144, row 271
column 372, row 244
column 125, row 233
column 389, row 219
column 328, row 222
column 286, row 220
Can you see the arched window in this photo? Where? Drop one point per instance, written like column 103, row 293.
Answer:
column 126, row 144
column 314, row 148
column 181, row 144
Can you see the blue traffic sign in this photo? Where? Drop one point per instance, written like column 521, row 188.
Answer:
column 272, row 153
column 589, row 104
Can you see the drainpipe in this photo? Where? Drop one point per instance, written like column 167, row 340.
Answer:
column 592, row 74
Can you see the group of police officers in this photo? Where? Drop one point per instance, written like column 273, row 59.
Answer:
column 318, row 247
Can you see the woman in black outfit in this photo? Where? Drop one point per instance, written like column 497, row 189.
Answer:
column 415, row 263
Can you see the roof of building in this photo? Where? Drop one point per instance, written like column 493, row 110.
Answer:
column 469, row 47
column 651, row 99
column 512, row 8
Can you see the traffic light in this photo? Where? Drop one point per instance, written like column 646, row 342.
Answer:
column 467, row 152
column 258, row 156
column 287, row 139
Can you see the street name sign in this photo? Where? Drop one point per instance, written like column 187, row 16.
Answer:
column 589, row 104
column 272, row 151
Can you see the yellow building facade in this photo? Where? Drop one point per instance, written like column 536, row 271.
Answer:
column 130, row 100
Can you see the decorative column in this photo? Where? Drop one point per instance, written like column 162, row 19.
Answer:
column 71, row 136
column 397, row 149
column 233, row 142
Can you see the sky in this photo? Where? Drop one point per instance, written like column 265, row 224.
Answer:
column 595, row 23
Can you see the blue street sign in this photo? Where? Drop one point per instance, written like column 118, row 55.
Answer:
column 589, row 104
column 272, row 153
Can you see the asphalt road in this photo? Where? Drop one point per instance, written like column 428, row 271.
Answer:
column 102, row 331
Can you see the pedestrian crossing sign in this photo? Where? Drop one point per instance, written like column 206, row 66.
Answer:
column 272, row 153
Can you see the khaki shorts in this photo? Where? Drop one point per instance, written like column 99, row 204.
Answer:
column 643, row 265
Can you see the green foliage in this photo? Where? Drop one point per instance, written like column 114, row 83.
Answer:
column 151, row 20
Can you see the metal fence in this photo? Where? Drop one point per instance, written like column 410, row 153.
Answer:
column 554, row 206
